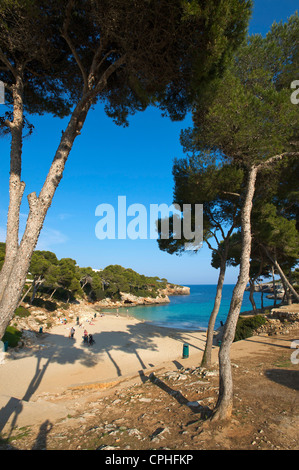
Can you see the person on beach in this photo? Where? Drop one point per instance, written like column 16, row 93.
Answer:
column 90, row 340
column 72, row 332
column 85, row 337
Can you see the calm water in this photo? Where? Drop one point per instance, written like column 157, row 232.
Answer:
column 193, row 311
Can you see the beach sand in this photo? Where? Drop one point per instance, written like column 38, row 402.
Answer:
column 38, row 383
column 124, row 347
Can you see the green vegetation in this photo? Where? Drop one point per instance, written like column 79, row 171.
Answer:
column 246, row 326
column 22, row 312
column 12, row 335
column 51, row 280
column 117, row 279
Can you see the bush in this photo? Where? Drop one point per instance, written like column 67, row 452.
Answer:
column 246, row 326
column 65, row 306
column 50, row 306
column 12, row 335
column 22, row 312
column 47, row 304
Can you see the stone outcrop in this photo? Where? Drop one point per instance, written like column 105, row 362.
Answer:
column 281, row 320
column 128, row 299
column 176, row 290
column 132, row 300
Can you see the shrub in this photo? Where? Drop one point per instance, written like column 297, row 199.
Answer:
column 246, row 326
column 12, row 335
column 22, row 312
column 50, row 306
column 65, row 306
column 47, row 304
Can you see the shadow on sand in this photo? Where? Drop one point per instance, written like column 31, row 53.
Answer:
column 63, row 350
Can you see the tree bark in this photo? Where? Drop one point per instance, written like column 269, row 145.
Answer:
column 207, row 355
column 37, row 213
column 251, row 298
column 27, row 291
column 224, row 406
column 51, row 296
column 36, row 285
column 16, row 186
column 274, row 286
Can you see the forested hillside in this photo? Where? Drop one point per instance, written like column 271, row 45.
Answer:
column 62, row 279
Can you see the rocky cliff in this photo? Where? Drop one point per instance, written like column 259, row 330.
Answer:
column 128, row 299
column 172, row 289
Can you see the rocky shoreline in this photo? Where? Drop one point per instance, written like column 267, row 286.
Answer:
column 268, row 288
column 40, row 319
column 130, row 300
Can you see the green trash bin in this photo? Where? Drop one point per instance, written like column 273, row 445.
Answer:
column 41, row 330
column 185, row 350
column 5, row 346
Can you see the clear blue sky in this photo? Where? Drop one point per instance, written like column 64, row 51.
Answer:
column 107, row 162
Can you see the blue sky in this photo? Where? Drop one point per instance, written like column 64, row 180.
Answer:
column 106, row 162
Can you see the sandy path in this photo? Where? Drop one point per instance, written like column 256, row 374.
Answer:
column 123, row 346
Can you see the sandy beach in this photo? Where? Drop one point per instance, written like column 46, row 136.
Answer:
column 124, row 347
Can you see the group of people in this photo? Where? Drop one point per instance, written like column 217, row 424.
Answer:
column 88, row 338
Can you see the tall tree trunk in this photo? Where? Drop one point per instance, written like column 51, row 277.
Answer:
column 262, row 300
column 252, row 282
column 27, row 292
column 207, row 355
column 283, row 277
column 274, row 286
column 36, row 285
column 51, row 296
column 16, row 186
column 38, row 206
column 251, row 298
column 37, row 213
column 224, row 405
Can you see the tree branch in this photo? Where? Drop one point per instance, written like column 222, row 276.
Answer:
column 8, row 123
column 109, row 71
column 211, row 248
column 32, row 201
column 65, row 35
column 276, row 158
column 4, row 59
column 231, row 194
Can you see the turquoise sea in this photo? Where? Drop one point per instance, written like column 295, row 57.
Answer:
column 193, row 311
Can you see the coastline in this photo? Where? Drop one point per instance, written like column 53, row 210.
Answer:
column 130, row 300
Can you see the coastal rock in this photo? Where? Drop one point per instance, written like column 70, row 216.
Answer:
column 128, row 299
column 176, row 290
column 133, row 299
